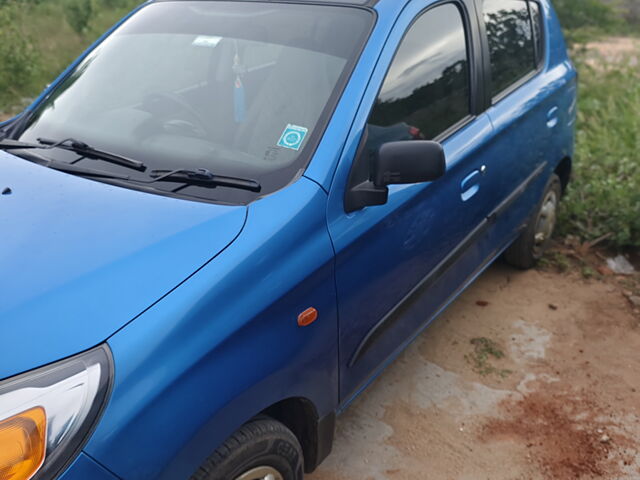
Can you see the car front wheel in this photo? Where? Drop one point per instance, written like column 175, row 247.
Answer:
column 262, row 449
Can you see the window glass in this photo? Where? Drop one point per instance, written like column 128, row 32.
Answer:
column 511, row 45
column 238, row 88
column 536, row 20
column 427, row 88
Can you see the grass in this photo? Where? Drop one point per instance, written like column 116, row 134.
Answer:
column 555, row 260
column 484, row 350
column 604, row 199
column 588, row 20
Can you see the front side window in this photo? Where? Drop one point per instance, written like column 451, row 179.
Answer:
column 240, row 89
column 426, row 90
column 511, row 42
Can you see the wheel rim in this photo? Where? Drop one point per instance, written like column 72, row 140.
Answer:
column 546, row 223
column 261, row 473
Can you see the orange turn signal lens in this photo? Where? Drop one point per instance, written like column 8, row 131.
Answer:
column 305, row 319
column 23, row 440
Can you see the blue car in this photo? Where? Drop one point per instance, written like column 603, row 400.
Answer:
column 224, row 220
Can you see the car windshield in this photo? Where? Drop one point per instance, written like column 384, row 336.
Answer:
column 242, row 89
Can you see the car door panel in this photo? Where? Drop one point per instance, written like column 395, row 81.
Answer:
column 426, row 244
column 526, row 119
column 396, row 264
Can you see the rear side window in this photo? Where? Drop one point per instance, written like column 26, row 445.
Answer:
column 426, row 90
column 512, row 46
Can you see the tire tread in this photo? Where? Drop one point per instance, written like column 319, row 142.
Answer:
column 256, row 429
column 521, row 253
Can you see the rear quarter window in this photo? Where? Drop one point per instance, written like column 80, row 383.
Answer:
column 512, row 42
column 538, row 31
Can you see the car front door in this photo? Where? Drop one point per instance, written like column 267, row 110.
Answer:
column 399, row 264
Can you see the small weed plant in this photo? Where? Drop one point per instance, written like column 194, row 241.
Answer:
column 485, row 350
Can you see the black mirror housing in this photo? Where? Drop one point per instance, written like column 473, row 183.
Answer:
column 411, row 161
column 416, row 161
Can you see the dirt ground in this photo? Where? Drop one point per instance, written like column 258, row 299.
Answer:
column 611, row 52
column 529, row 375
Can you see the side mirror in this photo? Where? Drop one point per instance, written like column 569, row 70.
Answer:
column 417, row 161
column 397, row 163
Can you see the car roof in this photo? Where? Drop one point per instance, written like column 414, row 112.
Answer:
column 368, row 3
column 333, row 2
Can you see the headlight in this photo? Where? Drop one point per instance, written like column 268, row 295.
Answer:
column 47, row 414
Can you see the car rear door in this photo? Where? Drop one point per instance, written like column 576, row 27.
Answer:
column 399, row 264
column 525, row 105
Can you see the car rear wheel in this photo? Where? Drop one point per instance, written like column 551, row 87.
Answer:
column 262, row 449
column 535, row 239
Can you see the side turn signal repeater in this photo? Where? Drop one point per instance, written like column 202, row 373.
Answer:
column 305, row 319
column 23, row 440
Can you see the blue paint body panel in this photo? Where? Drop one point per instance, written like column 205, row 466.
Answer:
column 81, row 258
column 85, row 468
column 229, row 343
column 198, row 302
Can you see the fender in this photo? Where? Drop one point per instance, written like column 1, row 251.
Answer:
column 224, row 349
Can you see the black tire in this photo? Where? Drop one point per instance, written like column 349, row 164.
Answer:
column 532, row 243
column 260, row 444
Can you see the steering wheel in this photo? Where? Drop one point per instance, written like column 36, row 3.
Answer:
column 157, row 103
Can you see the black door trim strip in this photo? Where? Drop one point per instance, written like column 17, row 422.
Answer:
column 395, row 314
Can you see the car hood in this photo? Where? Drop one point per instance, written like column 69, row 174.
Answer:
column 79, row 259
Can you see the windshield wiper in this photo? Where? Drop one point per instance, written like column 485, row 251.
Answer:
column 8, row 144
column 86, row 150
column 70, row 167
column 76, row 146
column 203, row 178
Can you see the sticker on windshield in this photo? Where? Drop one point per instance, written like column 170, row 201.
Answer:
column 293, row 137
column 207, row 41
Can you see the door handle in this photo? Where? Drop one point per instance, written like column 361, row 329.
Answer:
column 552, row 117
column 470, row 186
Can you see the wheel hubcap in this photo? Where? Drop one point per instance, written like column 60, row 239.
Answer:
column 546, row 222
column 261, row 473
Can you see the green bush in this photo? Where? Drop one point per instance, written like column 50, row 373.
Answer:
column 604, row 198
column 585, row 20
column 631, row 14
column 18, row 59
column 39, row 38
column 576, row 14
column 79, row 14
